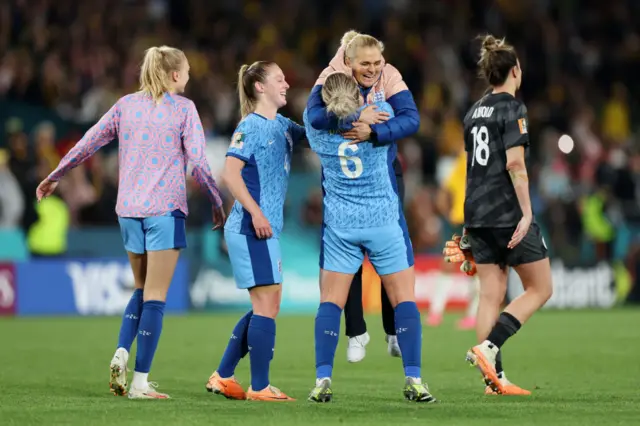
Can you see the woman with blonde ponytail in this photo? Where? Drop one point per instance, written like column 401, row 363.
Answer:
column 257, row 173
column 360, row 57
column 157, row 72
column 158, row 132
column 247, row 104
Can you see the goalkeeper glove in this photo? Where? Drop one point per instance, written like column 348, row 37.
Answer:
column 458, row 250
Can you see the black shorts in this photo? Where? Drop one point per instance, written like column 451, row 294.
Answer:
column 489, row 246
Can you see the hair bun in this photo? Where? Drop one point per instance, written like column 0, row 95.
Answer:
column 496, row 59
column 491, row 43
column 340, row 105
column 348, row 37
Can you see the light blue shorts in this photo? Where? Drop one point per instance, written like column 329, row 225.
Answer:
column 254, row 261
column 154, row 233
column 388, row 248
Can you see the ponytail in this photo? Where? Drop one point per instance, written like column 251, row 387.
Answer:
column 156, row 67
column 341, row 95
column 246, row 104
column 497, row 58
column 248, row 76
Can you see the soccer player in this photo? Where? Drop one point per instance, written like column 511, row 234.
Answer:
column 257, row 172
column 360, row 56
column 158, row 131
column 451, row 198
column 362, row 213
column 499, row 222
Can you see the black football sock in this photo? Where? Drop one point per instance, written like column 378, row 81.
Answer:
column 506, row 327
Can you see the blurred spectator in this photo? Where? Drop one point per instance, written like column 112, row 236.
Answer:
column 45, row 144
column 11, row 198
column 423, row 222
column 22, row 166
column 616, row 126
column 47, row 237
column 451, row 138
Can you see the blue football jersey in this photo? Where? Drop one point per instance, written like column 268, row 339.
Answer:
column 360, row 189
column 265, row 146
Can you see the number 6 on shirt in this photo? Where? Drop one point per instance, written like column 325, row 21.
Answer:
column 344, row 159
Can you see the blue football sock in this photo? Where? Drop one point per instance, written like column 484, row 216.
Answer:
column 409, row 332
column 327, row 333
column 130, row 321
column 149, row 334
column 237, row 347
column 261, row 338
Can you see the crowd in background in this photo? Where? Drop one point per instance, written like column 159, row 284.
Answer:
column 580, row 60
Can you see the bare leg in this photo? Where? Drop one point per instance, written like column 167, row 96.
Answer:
column 493, row 287
column 536, row 280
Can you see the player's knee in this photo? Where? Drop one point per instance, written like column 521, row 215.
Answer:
column 156, row 289
column 331, row 292
column 541, row 292
column 400, row 294
column 334, row 288
column 265, row 300
column 493, row 295
column 152, row 293
column 336, row 299
column 267, row 310
column 545, row 291
column 537, row 281
column 400, row 286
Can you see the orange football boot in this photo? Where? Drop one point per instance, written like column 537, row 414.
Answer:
column 508, row 389
column 229, row 388
column 483, row 358
column 270, row 393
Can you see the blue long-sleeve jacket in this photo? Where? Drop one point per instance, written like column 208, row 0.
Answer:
column 405, row 123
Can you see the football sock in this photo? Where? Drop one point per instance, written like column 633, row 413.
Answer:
column 261, row 339
column 409, row 332
column 237, row 347
column 506, row 327
column 149, row 334
column 130, row 321
column 327, row 332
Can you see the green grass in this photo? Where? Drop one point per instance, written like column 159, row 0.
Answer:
column 582, row 366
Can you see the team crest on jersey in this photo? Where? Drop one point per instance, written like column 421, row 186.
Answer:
column 237, row 140
column 378, row 96
column 289, row 139
column 522, row 123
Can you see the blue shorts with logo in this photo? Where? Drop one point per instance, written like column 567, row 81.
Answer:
column 255, row 261
column 154, row 233
column 388, row 247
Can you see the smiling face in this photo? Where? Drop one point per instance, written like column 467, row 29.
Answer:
column 274, row 88
column 366, row 65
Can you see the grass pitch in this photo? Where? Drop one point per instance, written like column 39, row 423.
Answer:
column 581, row 365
